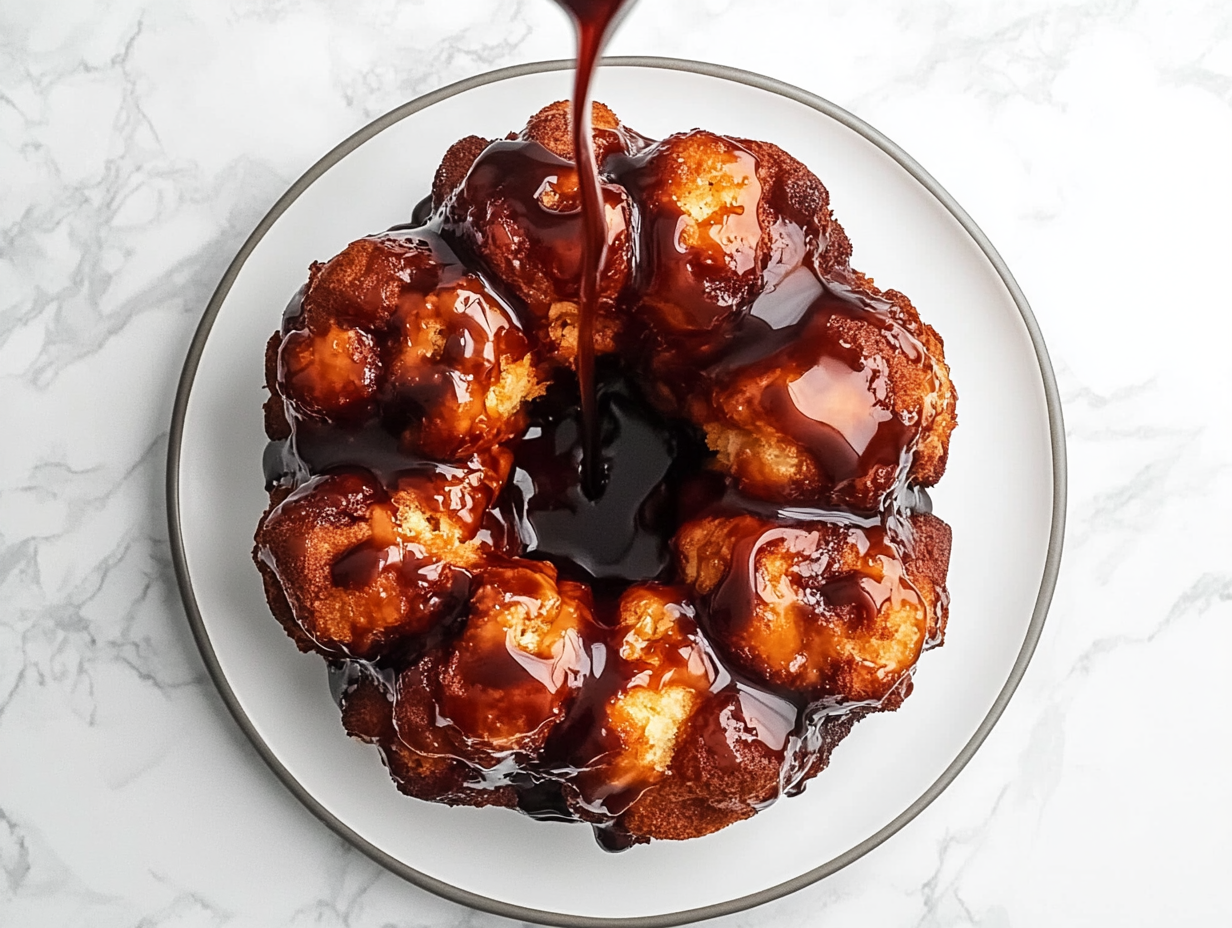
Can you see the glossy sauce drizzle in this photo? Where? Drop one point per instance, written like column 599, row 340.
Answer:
column 593, row 20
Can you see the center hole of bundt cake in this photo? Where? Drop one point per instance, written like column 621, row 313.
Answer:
column 622, row 534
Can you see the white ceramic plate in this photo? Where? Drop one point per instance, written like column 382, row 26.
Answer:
column 1003, row 495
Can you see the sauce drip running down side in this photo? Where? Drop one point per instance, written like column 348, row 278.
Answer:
column 593, row 20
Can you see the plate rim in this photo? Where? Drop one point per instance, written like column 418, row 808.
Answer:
column 495, row 906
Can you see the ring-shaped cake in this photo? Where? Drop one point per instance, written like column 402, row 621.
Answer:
column 760, row 567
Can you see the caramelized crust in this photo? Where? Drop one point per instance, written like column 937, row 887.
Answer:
column 364, row 286
column 551, row 127
column 274, row 594
column 722, row 221
column 367, row 714
column 277, row 428
column 795, row 197
column 724, row 768
column 454, row 167
column 939, row 416
column 927, row 561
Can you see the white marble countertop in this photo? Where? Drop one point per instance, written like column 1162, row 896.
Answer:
column 140, row 142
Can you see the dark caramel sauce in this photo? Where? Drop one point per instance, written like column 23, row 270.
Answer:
column 835, row 405
column 602, row 480
column 539, row 195
column 622, row 535
column 854, row 599
column 694, row 280
column 594, row 20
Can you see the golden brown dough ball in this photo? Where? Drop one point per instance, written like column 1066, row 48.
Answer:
column 364, row 285
column 722, row 220
column 396, row 328
column 332, row 373
column 504, row 681
column 459, row 372
column 367, row 714
column 703, row 246
column 360, row 569
column 519, row 211
column 835, row 413
column 662, row 672
column 818, row 609
column 447, row 508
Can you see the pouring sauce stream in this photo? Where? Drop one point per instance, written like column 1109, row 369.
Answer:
column 593, row 21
